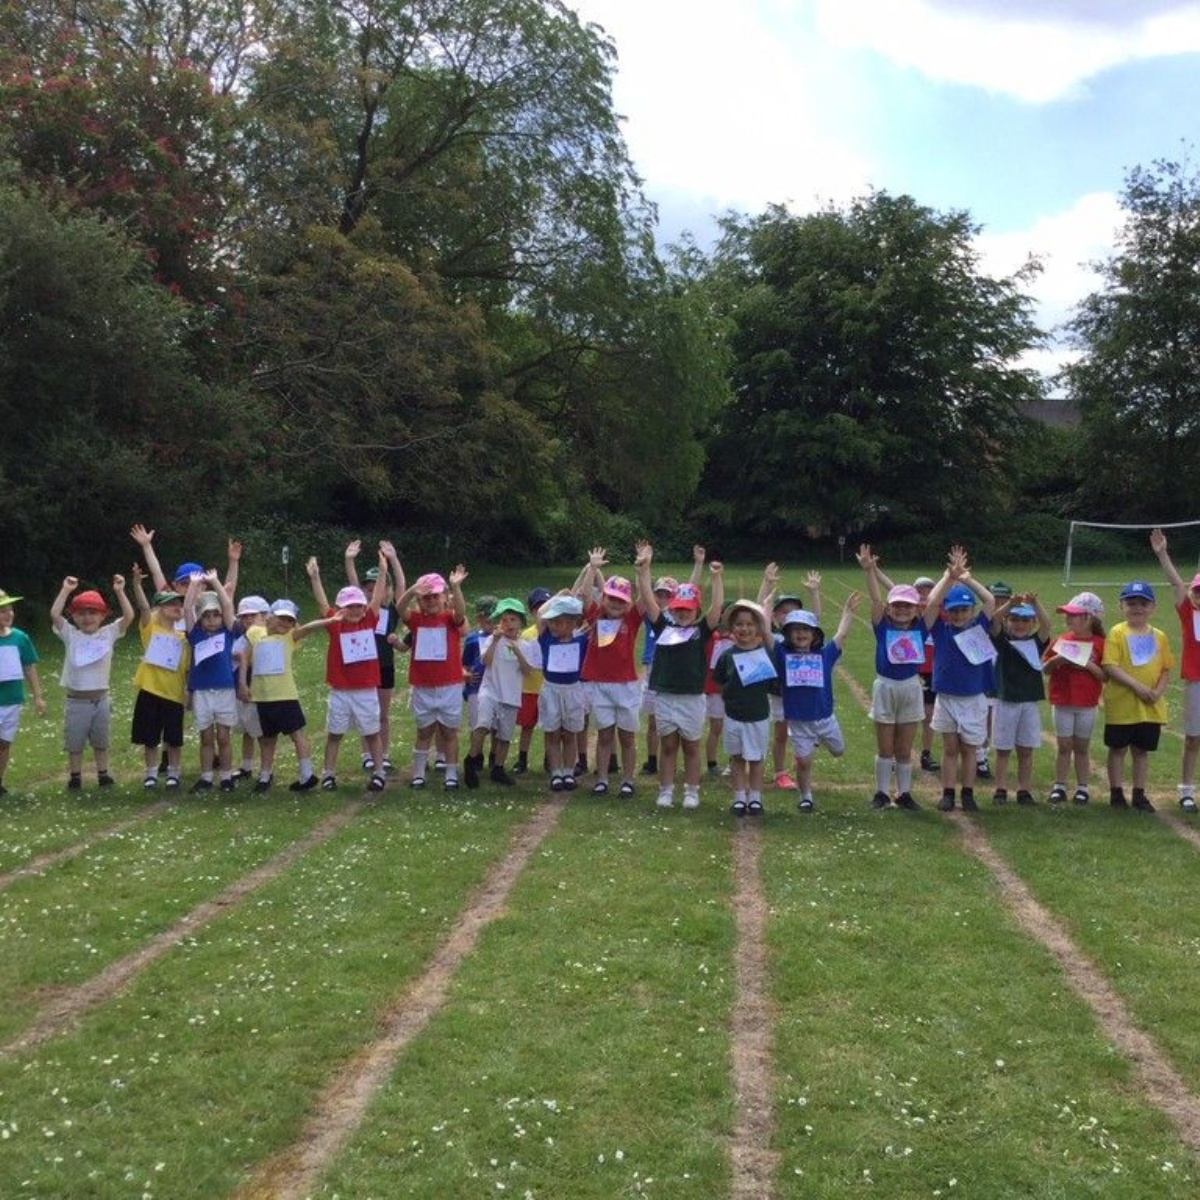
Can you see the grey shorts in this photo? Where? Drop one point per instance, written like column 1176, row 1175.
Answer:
column 87, row 723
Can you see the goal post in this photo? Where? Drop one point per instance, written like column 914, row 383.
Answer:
column 1095, row 548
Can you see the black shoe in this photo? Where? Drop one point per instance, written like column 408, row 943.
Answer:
column 905, row 800
column 581, row 767
column 263, row 785
column 377, row 784
column 881, row 800
column 946, row 803
column 1081, row 796
column 227, row 785
column 1024, row 797
column 928, row 762
column 650, row 766
column 202, row 785
column 1116, row 798
column 1058, row 794
column 471, row 765
column 1141, row 801
column 983, row 770
column 104, row 779
column 329, row 784
column 557, row 784
column 499, row 775
column 520, row 767
column 967, row 800
column 1000, row 796
column 241, row 773
column 303, row 785
column 570, row 783
column 75, row 783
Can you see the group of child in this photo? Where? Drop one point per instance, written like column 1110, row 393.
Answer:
column 949, row 659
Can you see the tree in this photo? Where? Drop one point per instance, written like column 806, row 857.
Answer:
column 1137, row 383
column 875, row 379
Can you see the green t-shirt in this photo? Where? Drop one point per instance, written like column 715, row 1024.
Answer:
column 743, row 702
column 680, row 657
column 16, row 653
column 1017, row 679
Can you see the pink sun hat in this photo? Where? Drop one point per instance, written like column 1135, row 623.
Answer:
column 430, row 585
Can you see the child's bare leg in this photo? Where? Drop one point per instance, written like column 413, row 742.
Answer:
column 1187, row 772
column 668, row 753
column 691, row 762
column 754, row 770
column 449, row 742
column 604, row 745
column 1116, row 766
column 779, row 747
column 804, row 774
column 333, row 743
column 207, row 751
column 266, row 747
column 1139, row 767
column 74, row 762
column 224, row 749
column 968, row 761
column 628, row 742
column 5, row 752
column 950, row 756
column 739, row 775
column 1063, row 748
column 1083, row 764
column 715, row 726
column 1002, row 769
column 1025, row 768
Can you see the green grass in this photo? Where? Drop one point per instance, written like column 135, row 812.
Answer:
column 923, row 1043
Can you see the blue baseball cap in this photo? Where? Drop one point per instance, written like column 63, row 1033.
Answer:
column 1022, row 610
column 1137, row 589
column 959, row 596
column 185, row 571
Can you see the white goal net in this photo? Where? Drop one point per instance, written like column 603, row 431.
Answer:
column 1100, row 555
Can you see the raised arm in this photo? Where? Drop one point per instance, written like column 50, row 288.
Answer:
column 647, row 601
column 379, row 592
column 312, row 569
column 869, row 562
column 393, row 560
column 128, row 616
column 189, row 600
column 770, row 581
column 847, row 619
column 228, row 616
column 812, row 585
column 349, row 557
column 458, row 605
column 145, row 538
column 69, row 584
column 716, row 600
column 232, row 567
column 1158, row 543
column 698, row 555
column 139, row 594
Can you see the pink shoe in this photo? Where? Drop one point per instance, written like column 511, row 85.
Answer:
column 784, row 780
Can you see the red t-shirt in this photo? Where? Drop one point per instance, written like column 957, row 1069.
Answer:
column 718, row 644
column 1069, row 686
column 352, row 660
column 612, row 662
column 436, row 658
column 1189, row 660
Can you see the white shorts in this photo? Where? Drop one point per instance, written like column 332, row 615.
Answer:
column 10, row 720
column 683, row 715
column 615, row 704
column 214, row 706
column 714, row 706
column 437, row 705
column 806, row 736
column 777, row 708
column 1191, row 708
column 964, row 715
column 1016, row 723
column 498, row 718
column 473, row 711
column 560, row 708
column 897, row 701
column 647, row 705
column 248, row 720
column 746, row 739
column 352, row 708
column 1074, row 722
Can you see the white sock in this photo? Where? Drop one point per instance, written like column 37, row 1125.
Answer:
column 904, row 773
column 883, row 773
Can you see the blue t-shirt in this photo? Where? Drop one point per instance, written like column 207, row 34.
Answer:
column 574, row 661
column 806, row 681
column 907, row 649
column 648, row 641
column 472, row 661
column 212, row 660
column 953, row 673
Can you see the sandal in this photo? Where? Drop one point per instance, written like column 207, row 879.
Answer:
column 600, row 789
column 738, row 808
column 755, row 808
column 627, row 788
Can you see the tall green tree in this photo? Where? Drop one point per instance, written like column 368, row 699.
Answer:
column 1137, row 381
column 875, row 379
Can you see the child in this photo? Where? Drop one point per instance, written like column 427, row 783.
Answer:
column 87, row 665
column 1020, row 631
column 386, row 641
column 560, row 705
column 435, row 667
column 472, row 660
column 251, row 611
column 897, row 705
column 161, row 681
column 1076, row 677
column 266, row 678
column 352, row 671
column 714, row 701
column 1137, row 668
column 746, row 674
column 208, row 620
column 677, row 675
column 505, row 665
column 805, row 665
column 531, row 682
column 611, row 674
column 18, row 667
column 962, row 659
column 1187, row 607
column 783, row 604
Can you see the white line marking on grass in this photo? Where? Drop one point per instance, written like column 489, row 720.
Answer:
column 73, row 1004
column 53, row 858
column 342, row 1107
column 754, row 1161
column 1167, row 1090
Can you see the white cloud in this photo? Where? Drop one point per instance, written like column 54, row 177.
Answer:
column 1035, row 53
column 719, row 106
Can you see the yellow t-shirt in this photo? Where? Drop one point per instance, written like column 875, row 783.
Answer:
column 1142, row 655
column 271, row 665
column 166, row 657
column 531, row 681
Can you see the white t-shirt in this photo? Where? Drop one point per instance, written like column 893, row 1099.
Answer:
column 88, row 660
column 502, row 680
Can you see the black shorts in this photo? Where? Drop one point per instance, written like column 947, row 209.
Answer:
column 387, row 676
column 156, row 719
column 280, row 717
column 1142, row 735
column 928, row 695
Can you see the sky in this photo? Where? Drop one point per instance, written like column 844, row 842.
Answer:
column 1027, row 114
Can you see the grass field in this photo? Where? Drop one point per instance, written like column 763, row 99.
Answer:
column 500, row 993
